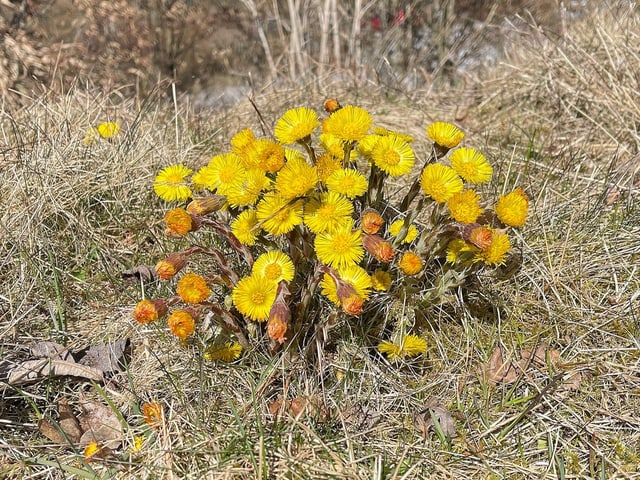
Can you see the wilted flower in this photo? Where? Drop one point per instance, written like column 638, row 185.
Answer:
column 206, row 205
column 331, row 105
column 378, row 248
column 179, row 222
column 192, row 288
column 152, row 413
column 410, row 263
column 371, row 221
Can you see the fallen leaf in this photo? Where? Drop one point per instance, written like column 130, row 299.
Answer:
column 299, row 407
column 141, row 272
column 496, row 370
column 34, row 370
column 573, row 381
column 52, row 431
column 425, row 421
column 108, row 358
column 46, row 349
column 100, row 424
column 66, row 430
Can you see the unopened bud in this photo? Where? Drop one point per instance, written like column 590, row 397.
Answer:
column 167, row 268
column 206, row 205
column 332, row 105
column 378, row 248
column 147, row 311
column 371, row 221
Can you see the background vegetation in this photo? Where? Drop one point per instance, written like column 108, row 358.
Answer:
column 556, row 110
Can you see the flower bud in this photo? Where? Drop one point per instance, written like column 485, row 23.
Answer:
column 378, row 248
column 371, row 221
column 181, row 323
column 206, row 205
column 179, row 222
column 150, row 310
column 331, row 105
column 477, row 235
column 167, row 268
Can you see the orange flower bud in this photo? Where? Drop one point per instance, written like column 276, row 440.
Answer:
column 167, row 268
column 179, row 222
column 278, row 322
column 378, row 248
column 206, row 205
column 353, row 305
column 410, row 263
column 150, row 310
column 331, row 105
column 481, row 237
column 181, row 323
column 371, row 221
column 152, row 413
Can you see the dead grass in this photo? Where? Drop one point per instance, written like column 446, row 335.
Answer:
column 560, row 118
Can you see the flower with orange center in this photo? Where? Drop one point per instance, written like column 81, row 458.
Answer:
column 410, row 263
column 371, row 221
column 481, row 237
column 179, row 222
column 181, row 323
column 167, row 268
column 150, row 310
column 464, row 207
column 192, row 288
column 152, row 413
column 512, row 208
column 378, row 248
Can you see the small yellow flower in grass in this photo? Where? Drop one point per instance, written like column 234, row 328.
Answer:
column 410, row 263
column 240, row 141
column 296, row 178
column 253, row 296
column 381, row 280
column 269, row 155
column 471, row 165
column 152, row 413
column 353, row 275
column 179, row 222
column 108, row 129
column 512, row 208
column 496, row 252
column 167, row 268
column 296, row 125
column 348, row 182
column 181, row 323
column 192, row 288
column 170, row 183
column 147, row 311
column 440, row 182
column 224, row 352
column 92, row 451
column 464, row 207
column 393, row 155
column 340, row 247
column 138, row 443
column 333, row 146
column 327, row 211
column 457, row 248
column 245, row 227
column 326, row 165
column 349, row 123
column 279, row 215
column 445, row 134
column 396, row 227
column 274, row 266
column 411, row 346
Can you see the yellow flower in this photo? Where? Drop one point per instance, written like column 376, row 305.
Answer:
column 192, row 288
column 327, row 211
column 332, row 145
column 340, row 247
column 170, row 183
column 349, row 123
column 295, row 125
column 150, row 310
column 268, row 154
column 445, row 134
column 225, row 352
column 223, row 172
column 274, row 266
column 326, row 165
column 108, row 129
column 512, row 208
column 241, row 141
column 367, row 144
column 247, row 188
column 179, row 222
column 393, row 155
column 465, row 206
column 353, row 275
column 296, row 178
column 496, row 252
column 381, row 280
column 92, row 451
column 410, row 346
column 152, row 413
column 278, row 215
column 410, row 263
column 348, row 182
column 245, row 227
column 138, row 443
column 181, row 323
column 457, row 248
column 440, row 182
column 253, row 296
column 471, row 165
column 396, row 227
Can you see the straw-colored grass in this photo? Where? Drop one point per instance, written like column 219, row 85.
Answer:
column 559, row 117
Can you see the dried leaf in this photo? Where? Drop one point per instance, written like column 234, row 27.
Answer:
column 141, row 272
column 573, row 382
column 34, row 370
column 299, row 407
column 100, row 424
column 426, row 420
column 613, row 195
column 108, row 358
column 497, row 371
column 52, row 431
column 68, row 421
column 47, row 349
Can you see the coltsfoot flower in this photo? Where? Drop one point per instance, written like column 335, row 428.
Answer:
column 440, row 182
column 277, row 214
column 340, row 247
column 410, row 346
column 349, row 123
column 179, row 222
column 410, row 263
column 444, row 134
column 381, row 280
column 168, row 267
column 170, row 184
column 181, row 323
column 192, row 288
column 225, row 352
column 393, row 155
column 147, row 311
column 253, row 296
column 347, row 181
column 464, row 207
column 371, row 221
column 512, row 208
column 245, row 227
column 396, row 227
column 296, row 125
column 326, row 211
column 274, row 266
column 471, row 165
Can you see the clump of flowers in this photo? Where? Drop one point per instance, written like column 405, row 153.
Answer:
column 305, row 229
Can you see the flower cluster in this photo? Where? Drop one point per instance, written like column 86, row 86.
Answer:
column 305, row 224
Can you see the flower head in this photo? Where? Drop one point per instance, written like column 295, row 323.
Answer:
column 326, row 211
column 512, row 208
column 340, row 247
column 349, row 287
column 393, row 155
column 192, row 288
column 279, row 215
column 223, row 172
column 471, row 165
column 181, row 323
column 331, row 105
column 465, row 206
column 479, row 236
column 241, row 141
column 179, row 222
column 457, row 248
column 253, row 296
column 267, row 155
column 92, row 451
column 245, row 227
column 246, row 190
column 147, row 311
column 274, row 266
column 444, row 134
column 205, row 205
column 378, row 248
column 440, row 182
column 410, row 346
column 348, row 182
column 348, row 123
column 170, row 183
column 108, row 129
column 295, row 125
column 224, row 352
column 152, row 413
column 396, row 227
column 279, row 317
column 326, row 164
column 296, row 178
column 495, row 253
column 381, row 280
column 371, row 221
column 410, row 263
column 167, row 268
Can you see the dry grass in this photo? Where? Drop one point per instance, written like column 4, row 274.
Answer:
column 560, row 118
